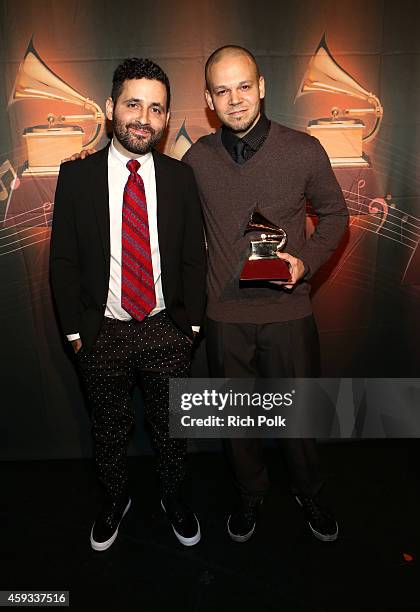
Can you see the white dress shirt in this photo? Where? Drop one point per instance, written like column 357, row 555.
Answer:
column 118, row 174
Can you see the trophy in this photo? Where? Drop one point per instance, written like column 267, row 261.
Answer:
column 341, row 135
column 47, row 145
column 263, row 263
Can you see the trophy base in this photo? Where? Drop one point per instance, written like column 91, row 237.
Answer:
column 265, row 269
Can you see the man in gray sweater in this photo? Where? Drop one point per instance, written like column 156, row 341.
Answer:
column 266, row 331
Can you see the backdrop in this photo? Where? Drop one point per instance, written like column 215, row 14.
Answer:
column 57, row 63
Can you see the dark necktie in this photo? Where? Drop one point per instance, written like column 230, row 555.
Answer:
column 138, row 296
column 239, row 151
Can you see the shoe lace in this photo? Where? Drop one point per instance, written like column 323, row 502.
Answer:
column 177, row 512
column 313, row 509
column 112, row 513
column 178, row 516
column 249, row 508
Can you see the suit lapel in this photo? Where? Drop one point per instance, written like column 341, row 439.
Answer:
column 100, row 198
column 164, row 194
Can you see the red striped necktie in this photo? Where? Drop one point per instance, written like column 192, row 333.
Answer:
column 138, row 296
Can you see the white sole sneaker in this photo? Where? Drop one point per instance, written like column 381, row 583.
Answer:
column 186, row 541
column 320, row 536
column 240, row 538
column 101, row 546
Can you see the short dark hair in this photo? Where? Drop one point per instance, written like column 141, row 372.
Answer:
column 218, row 54
column 139, row 68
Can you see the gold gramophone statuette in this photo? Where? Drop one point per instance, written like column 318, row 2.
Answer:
column 263, row 263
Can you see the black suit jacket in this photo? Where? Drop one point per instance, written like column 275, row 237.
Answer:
column 80, row 244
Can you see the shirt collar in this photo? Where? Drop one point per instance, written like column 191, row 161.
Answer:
column 253, row 139
column 122, row 159
column 258, row 133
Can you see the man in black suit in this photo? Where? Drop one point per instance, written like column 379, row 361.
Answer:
column 128, row 275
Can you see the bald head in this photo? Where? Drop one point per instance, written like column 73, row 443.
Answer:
column 228, row 52
column 234, row 88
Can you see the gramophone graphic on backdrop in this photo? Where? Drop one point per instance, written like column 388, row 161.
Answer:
column 26, row 198
column 47, row 145
column 29, row 193
column 342, row 135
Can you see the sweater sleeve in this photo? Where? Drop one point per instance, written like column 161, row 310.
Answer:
column 326, row 197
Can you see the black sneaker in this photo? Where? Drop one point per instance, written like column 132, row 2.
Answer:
column 322, row 524
column 105, row 528
column 242, row 521
column 184, row 522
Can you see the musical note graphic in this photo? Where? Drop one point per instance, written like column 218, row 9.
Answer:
column 14, row 183
column 360, row 184
column 47, row 206
column 381, row 217
column 404, row 220
column 21, row 235
column 378, row 206
column 376, row 215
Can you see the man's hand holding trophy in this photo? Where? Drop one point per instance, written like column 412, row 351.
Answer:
column 266, row 261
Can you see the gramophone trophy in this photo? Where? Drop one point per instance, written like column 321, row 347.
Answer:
column 47, row 145
column 263, row 263
column 341, row 135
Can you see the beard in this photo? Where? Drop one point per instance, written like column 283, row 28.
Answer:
column 139, row 145
column 241, row 126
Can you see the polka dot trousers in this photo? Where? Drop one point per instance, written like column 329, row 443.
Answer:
column 125, row 353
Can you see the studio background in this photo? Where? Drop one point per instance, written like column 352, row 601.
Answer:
column 366, row 300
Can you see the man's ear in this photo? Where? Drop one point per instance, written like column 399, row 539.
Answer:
column 261, row 87
column 209, row 99
column 109, row 109
column 168, row 116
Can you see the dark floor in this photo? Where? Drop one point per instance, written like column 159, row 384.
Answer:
column 49, row 505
